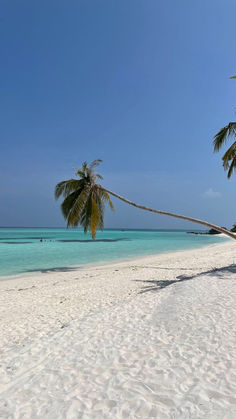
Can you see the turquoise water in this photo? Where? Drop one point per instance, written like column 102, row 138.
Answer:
column 21, row 250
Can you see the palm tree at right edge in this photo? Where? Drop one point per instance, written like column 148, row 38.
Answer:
column 229, row 158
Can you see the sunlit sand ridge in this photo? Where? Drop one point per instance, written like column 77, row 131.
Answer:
column 153, row 337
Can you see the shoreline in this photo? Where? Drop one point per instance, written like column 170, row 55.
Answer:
column 105, row 263
column 151, row 337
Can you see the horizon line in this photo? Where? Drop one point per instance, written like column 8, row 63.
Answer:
column 107, row 228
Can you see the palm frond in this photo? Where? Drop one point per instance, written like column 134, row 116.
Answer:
column 95, row 218
column 229, row 154
column 68, row 203
column 86, row 215
column 222, row 136
column 94, row 164
column 229, row 159
column 84, row 166
column 73, row 218
column 80, row 173
column 106, row 198
column 101, row 219
column 66, row 187
column 232, row 167
column 101, row 208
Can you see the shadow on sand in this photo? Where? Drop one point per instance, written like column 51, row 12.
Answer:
column 157, row 285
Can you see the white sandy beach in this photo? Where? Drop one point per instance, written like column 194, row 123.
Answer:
column 153, row 337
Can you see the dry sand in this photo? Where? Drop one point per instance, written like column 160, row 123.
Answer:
column 153, row 337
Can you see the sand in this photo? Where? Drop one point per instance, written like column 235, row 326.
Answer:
column 153, row 337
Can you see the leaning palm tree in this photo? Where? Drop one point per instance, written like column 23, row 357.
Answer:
column 225, row 133
column 85, row 199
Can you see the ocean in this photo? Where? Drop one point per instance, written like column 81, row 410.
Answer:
column 22, row 251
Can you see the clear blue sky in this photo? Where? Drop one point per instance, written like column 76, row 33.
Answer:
column 142, row 84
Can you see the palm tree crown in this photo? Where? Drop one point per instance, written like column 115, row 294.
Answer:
column 229, row 158
column 84, row 199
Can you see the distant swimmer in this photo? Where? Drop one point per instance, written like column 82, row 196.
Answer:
column 41, row 240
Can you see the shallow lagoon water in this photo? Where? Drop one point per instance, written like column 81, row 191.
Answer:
column 21, row 250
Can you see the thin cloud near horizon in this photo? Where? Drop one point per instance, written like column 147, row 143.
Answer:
column 210, row 193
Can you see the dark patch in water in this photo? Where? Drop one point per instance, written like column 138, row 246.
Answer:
column 93, row 241
column 11, row 238
column 38, row 238
column 58, row 269
column 16, row 242
column 28, row 238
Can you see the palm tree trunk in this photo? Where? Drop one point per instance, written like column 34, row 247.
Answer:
column 170, row 214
